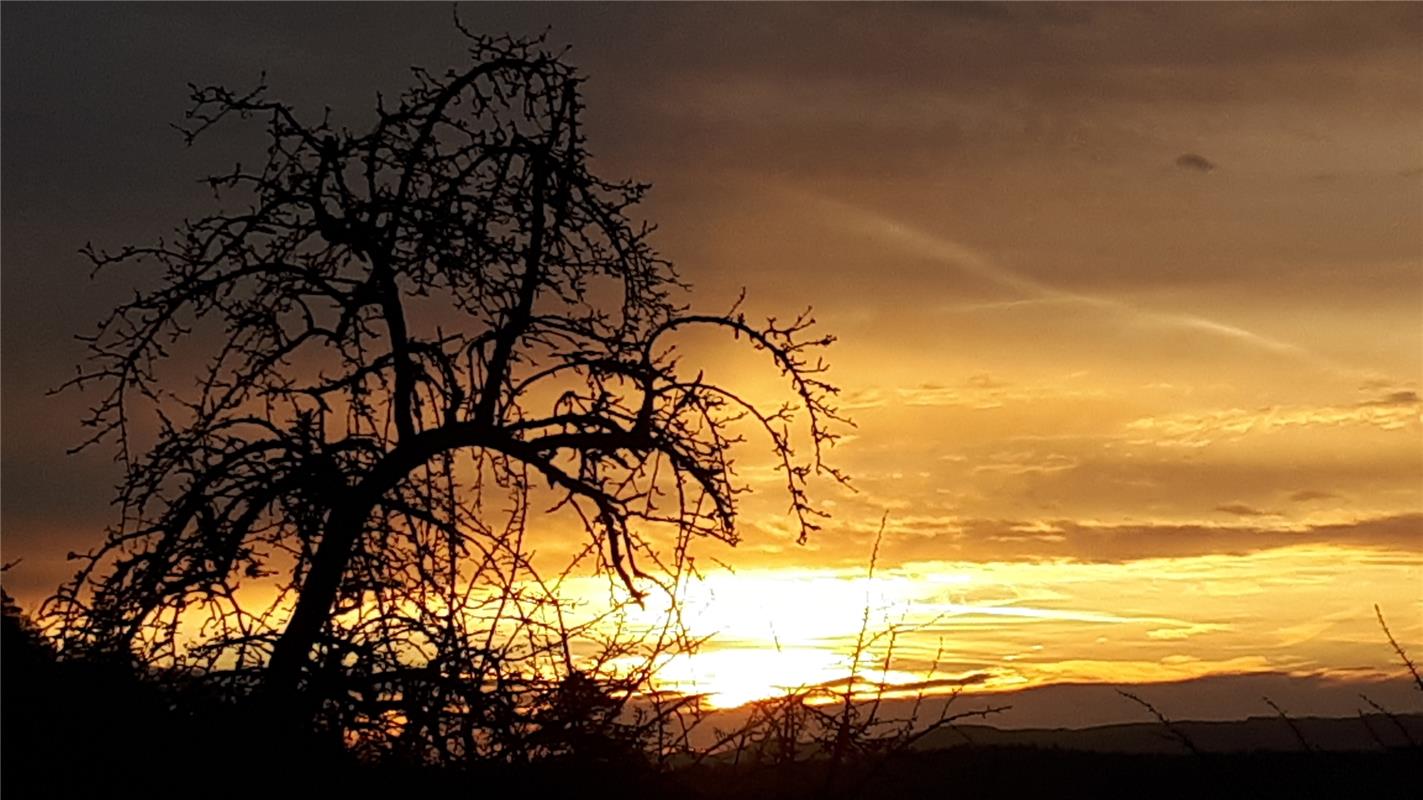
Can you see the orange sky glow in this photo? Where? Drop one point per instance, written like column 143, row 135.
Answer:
column 1121, row 416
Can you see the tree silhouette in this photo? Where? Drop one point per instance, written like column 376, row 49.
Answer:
column 405, row 338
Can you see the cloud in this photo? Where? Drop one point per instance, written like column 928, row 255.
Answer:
column 1393, row 400
column 1030, row 290
column 1185, row 631
column 1394, row 412
column 972, row 679
column 982, row 392
column 1242, row 510
column 1027, row 463
column 1195, row 162
column 1377, row 384
column 1086, row 542
column 1307, row 495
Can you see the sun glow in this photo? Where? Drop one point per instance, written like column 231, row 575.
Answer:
column 994, row 626
column 939, row 627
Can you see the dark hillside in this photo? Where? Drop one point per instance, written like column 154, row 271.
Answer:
column 1262, row 734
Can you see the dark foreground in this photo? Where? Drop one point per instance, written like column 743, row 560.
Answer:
column 988, row 772
column 67, row 743
column 85, row 731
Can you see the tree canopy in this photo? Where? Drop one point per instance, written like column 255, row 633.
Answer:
column 400, row 335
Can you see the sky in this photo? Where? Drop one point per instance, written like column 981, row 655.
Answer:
column 1128, row 300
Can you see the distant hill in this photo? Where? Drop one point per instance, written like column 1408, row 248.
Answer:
column 1256, row 734
column 1327, row 708
column 1215, row 698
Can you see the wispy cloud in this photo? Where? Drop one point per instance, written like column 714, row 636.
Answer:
column 1088, row 542
column 1201, row 429
column 970, row 261
column 985, row 392
column 1195, row 162
column 1242, row 510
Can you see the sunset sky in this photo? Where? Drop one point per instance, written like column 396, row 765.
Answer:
column 1129, row 302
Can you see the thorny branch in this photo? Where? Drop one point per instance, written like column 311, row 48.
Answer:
column 404, row 337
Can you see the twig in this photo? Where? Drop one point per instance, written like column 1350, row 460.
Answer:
column 1392, row 717
column 1290, row 722
column 1398, row 648
column 1170, row 726
column 1373, row 734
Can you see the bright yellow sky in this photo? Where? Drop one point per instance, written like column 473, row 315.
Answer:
column 1298, row 609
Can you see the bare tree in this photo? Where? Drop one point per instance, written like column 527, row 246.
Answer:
column 403, row 339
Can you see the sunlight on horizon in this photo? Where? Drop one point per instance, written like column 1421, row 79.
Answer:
column 945, row 626
column 933, row 628
column 1006, row 625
